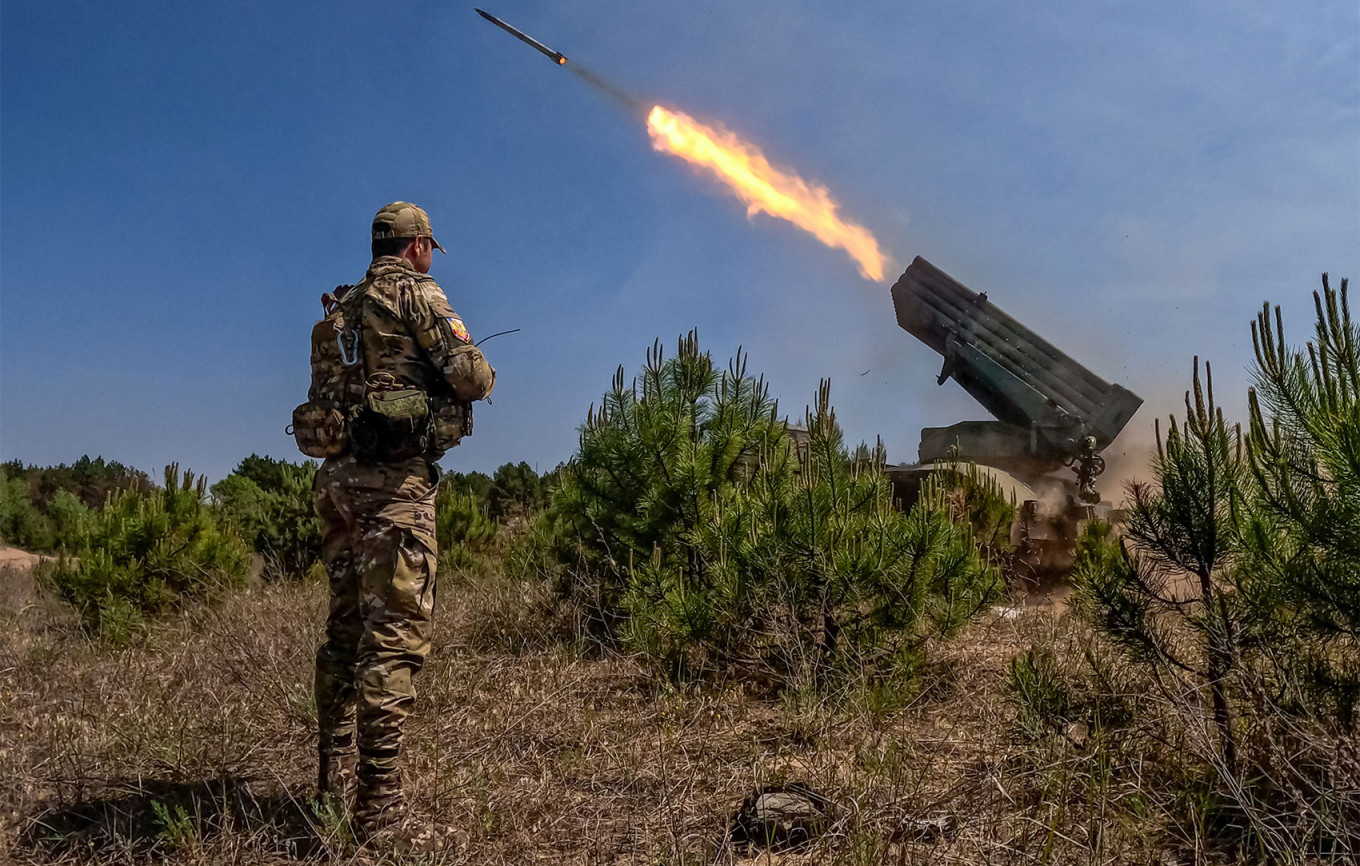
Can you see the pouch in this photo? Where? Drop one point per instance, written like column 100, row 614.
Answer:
column 405, row 405
column 320, row 430
column 392, row 425
column 452, row 420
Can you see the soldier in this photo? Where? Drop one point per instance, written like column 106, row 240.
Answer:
column 394, row 373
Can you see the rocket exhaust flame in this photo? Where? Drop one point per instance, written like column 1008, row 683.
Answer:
column 745, row 170
column 763, row 187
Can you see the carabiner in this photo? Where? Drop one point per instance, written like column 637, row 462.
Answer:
column 348, row 357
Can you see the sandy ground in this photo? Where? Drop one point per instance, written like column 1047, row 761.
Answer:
column 13, row 556
column 16, row 578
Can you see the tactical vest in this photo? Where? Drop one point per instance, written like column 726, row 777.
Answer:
column 350, row 409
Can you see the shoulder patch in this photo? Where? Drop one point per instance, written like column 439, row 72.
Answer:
column 459, row 329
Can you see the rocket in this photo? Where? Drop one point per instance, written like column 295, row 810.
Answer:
column 556, row 56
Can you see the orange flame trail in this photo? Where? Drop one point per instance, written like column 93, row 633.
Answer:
column 779, row 193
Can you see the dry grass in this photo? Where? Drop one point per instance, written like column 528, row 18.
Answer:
column 196, row 746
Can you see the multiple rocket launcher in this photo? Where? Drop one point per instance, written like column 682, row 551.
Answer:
column 1050, row 411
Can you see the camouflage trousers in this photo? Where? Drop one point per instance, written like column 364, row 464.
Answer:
column 378, row 545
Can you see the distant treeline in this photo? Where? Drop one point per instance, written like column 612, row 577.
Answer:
column 128, row 548
column 43, row 508
column 42, row 505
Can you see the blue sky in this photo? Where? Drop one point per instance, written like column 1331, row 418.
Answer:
column 180, row 182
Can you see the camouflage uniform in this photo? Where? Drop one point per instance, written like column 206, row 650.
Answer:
column 378, row 540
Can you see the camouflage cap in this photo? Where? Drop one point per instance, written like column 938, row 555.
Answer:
column 401, row 219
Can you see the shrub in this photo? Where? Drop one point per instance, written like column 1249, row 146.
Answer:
column 550, row 551
column 1251, row 542
column 651, row 462
column 148, row 553
column 516, row 490
column 476, row 483
column 695, row 532
column 270, row 503
column 269, row 473
column 463, row 528
column 21, row 523
column 70, row 517
column 977, row 499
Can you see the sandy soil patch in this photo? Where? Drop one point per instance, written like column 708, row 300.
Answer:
column 13, row 557
column 17, row 590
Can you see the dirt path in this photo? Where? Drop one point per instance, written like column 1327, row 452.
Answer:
column 16, row 578
column 14, row 557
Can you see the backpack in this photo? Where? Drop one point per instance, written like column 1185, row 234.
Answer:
column 321, row 425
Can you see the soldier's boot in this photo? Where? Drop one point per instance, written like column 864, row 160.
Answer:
column 378, row 801
column 383, row 821
column 404, row 832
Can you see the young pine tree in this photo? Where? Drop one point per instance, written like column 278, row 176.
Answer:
column 1301, row 528
column 1178, row 574
column 1251, row 543
column 148, row 553
column 702, row 537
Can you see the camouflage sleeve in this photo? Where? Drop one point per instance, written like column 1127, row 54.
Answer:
column 444, row 337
